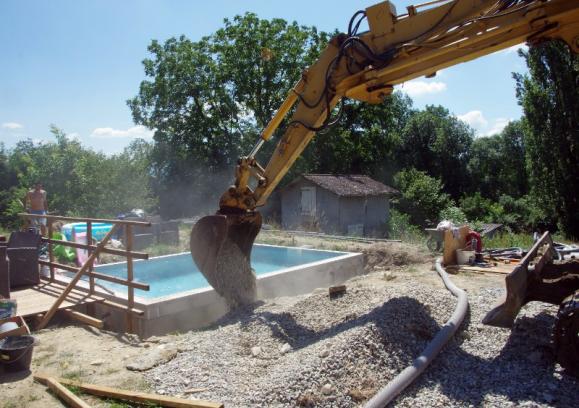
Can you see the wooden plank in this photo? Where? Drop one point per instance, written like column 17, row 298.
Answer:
column 131, row 292
column 78, row 219
column 133, row 396
column 112, row 251
column 131, row 284
column 89, row 243
column 120, row 306
column 98, row 275
column 75, row 279
column 45, row 296
column 64, row 394
column 18, row 331
column 50, row 249
column 39, row 299
column 81, row 317
column 57, row 265
column 501, row 271
column 451, row 244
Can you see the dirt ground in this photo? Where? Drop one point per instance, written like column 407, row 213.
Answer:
column 89, row 355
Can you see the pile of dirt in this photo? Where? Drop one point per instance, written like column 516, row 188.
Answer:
column 389, row 254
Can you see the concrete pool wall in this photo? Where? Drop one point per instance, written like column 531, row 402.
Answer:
column 197, row 308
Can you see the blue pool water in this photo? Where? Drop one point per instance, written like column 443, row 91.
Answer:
column 178, row 273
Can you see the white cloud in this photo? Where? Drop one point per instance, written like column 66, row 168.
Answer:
column 474, row 119
column 482, row 125
column 418, row 88
column 515, row 48
column 74, row 136
column 133, row 133
column 498, row 126
column 12, row 125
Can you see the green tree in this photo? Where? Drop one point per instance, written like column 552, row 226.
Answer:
column 79, row 181
column 485, row 166
column 549, row 96
column 364, row 141
column 513, row 172
column 422, row 196
column 208, row 100
column 437, row 142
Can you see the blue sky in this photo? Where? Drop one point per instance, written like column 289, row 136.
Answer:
column 75, row 63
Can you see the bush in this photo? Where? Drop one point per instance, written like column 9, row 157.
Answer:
column 454, row 214
column 476, row 207
column 400, row 227
column 422, row 196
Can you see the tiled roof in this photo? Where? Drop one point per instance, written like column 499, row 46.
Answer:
column 350, row 185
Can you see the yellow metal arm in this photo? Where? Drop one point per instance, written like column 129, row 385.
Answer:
column 397, row 48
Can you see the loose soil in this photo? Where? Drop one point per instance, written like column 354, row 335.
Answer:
column 89, row 355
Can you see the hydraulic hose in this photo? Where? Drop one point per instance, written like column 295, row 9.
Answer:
column 410, row 373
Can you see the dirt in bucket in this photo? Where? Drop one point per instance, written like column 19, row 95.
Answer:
column 16, row 352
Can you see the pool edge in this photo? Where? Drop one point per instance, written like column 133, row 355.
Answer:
column 201, row 307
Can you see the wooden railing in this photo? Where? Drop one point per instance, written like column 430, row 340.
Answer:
column 88, row 267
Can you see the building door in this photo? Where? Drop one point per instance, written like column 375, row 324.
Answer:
column 308, row 201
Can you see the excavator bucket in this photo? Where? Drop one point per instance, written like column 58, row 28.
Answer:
column 221, row 248
column 522, row 284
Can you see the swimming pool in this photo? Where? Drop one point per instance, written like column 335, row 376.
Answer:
column 180, row 299
column 172, row 274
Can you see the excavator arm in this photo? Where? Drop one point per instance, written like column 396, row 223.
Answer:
column 364, row 67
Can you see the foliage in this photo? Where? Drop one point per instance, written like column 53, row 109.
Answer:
column 475, row 206
column 497, row 163
column 436, row 142
column 509, row 239
column 399, row 226
column 454, row 214
column 550, row 99
column 208, row 100
column 364, row 141
column 519, row 214
column 422, row 196
column 78, row 181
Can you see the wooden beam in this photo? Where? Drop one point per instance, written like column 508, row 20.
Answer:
column 134, row 396
column 50, row 250
column 64, row 267
column 89, row 242
column 81, row 317
column 121, row 281
column 120, row 306
column 64, row 394
column 75, row 279
column 98, row 275
column 78, row 219
column 112, row 251
column 131, row 292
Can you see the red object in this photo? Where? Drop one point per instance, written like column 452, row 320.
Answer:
column 473, row 235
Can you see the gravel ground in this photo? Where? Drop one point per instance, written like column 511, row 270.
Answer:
column 315, row 351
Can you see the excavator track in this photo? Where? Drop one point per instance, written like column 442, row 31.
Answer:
column 566, row 334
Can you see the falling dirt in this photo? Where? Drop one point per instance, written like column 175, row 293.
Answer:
column 233, row 277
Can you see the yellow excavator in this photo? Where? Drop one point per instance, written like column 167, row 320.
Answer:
column 366, row 67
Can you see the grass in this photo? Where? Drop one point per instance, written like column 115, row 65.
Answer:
column 508, row 240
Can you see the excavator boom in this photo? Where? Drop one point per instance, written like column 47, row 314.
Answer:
column 363, row 66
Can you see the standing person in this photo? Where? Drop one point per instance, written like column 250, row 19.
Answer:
column 35, row 203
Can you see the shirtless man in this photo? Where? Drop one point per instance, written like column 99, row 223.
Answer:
column 36, row 203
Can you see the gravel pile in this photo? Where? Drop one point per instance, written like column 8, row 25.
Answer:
column 316, row 351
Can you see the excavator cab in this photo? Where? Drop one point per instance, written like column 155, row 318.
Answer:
column 221, row 248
